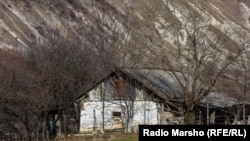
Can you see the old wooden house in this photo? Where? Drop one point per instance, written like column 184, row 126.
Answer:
column 126, row 98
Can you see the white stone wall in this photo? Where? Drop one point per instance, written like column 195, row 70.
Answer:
column 145, row 112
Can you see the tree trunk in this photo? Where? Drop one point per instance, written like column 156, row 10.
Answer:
column 189, row 117
column 26, row 124
column 64, row 123
column 189, row 113
column 43, row 126
column 78, row 115
column 103, row 107
column 94, row 124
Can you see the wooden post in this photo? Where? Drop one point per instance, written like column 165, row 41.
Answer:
column 162, row 111
column 226, row 120
column 238, row 115
column 103, row 106
column 200, row 116
column 59, row 126
column 244, row 113
column 208, row 114
column 64, row 123
column 248, row 120
column 212, row 117
column 94, row 124
column 144, row 112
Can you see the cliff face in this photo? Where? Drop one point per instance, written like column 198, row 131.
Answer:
column 22, row 21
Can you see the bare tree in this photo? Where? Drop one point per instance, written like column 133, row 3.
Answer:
column 200, row 61
column 64, row 65
column 124, row 92
column 109, row 33
column 19, row 99
column 239, row 89
column 193, row 51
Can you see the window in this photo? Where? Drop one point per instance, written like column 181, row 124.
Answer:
column 117, row 117
column 116, row 114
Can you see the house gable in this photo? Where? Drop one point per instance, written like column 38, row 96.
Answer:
column 120, row 86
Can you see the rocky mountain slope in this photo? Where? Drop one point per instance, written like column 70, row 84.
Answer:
column 22, row 21
column 153, row 28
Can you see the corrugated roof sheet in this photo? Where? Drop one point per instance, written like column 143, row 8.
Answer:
column 159, row 79
column 165, row 82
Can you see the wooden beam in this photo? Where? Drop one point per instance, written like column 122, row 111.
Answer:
column 244, row 113
column 208, row 117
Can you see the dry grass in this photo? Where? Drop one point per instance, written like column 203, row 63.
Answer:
column 104, row 137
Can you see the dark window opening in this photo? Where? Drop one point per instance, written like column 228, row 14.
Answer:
column 117, row 114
